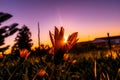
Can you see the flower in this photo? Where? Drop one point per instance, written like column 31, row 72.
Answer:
column 51, row 51
column 41, row 73
column 57, row 39
column 1, row 56
column 24, row 53
column 65, row 57
column 60, row 47
column 74, row 61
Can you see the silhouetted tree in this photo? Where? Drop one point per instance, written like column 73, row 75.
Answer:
column 23, row 39
column 6, row 31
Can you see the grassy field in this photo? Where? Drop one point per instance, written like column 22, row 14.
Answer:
column 73, row 67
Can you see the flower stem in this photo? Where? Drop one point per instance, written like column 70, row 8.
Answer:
column 34, row 76
column 15, row 70
column 53, row 72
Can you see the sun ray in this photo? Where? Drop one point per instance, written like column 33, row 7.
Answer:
column 65, row 39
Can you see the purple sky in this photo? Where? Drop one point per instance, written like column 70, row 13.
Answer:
column 90, row 18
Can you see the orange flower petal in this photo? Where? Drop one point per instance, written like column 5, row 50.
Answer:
column 51, row 51
column 24, row 53
column 72, row 36
column 27, row 54
column 52, row 39
column 56, row 36
column 74, row 61
column 1, row 56
column 61, row 35
column 41, row 72
column 65, row 57
column 74, row 42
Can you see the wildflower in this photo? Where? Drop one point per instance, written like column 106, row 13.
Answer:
column 1, row 56
column 60, row 47
column 74, row 61
column 51, row 51
column 24, row 53
column 65, row 57
column 41, row 73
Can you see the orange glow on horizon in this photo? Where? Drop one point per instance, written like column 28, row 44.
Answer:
column 46, row 40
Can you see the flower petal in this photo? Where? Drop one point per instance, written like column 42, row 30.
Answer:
column 51, row 51
column 56, row 33
column 27, row 54
column 61, row 35
column 52, row 39
column 72, row 36
column 72, row 39
column 67, row 47
column 74, row 42
column 59, row 38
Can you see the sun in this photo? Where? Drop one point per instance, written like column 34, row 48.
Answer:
column 65, row 39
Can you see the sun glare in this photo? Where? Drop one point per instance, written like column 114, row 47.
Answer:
column 65, row 39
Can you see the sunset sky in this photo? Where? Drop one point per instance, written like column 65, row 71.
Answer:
column 90, row 18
